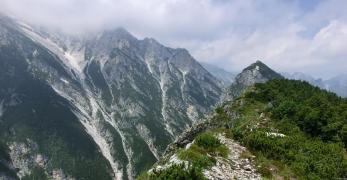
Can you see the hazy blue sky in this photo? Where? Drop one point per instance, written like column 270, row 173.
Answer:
column 290, row 35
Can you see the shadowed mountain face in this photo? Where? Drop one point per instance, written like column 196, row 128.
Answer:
column 109, row 103
column 257, row 72
column 39, row 130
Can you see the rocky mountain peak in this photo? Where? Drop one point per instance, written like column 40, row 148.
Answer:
column 119, row 33
column 257, row 72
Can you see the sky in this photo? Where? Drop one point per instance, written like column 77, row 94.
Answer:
column 308, row 36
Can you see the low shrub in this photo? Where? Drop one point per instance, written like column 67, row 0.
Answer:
column 174, row 172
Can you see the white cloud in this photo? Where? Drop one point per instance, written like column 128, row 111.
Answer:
column 287, row 35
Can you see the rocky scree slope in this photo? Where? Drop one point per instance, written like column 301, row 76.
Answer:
column 108, row 100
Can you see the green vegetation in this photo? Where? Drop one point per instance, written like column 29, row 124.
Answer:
column 207, row 141
column 175, row 172
column 3, row 151
column 197, row 157
column 294, row 129
column 205, row 144
column 200, row 155
column 316, row 112
column 37, row 173
column 210, row 144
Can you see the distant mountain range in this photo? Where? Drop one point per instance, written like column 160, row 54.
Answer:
column 223, row 75
column 337, row 84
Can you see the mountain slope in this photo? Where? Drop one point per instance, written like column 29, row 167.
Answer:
column 282, row 129
column 38, row 126
column 127, row 98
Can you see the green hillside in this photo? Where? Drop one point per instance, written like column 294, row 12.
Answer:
column 293, row 127
column 294, row 130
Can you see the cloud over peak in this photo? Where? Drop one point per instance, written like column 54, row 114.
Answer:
column 307, row 36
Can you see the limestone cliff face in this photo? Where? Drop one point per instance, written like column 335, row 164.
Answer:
column 123, row 100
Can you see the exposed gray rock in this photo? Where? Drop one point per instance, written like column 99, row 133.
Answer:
column 24, row 157
column 257, row 72
column 233, row 167
column 133, row 97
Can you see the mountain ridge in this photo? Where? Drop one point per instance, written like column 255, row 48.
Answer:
column 132, row 97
